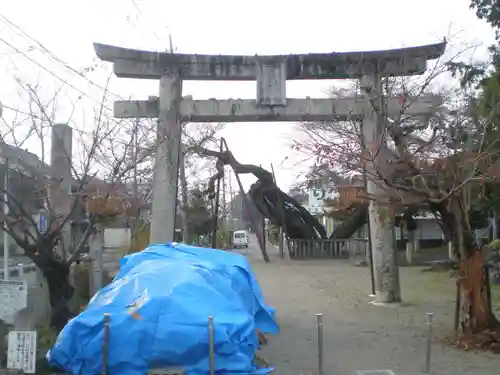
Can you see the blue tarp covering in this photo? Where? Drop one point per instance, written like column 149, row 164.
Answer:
column 159, row 304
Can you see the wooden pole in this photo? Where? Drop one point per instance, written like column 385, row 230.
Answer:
column 216, row 210
column 6, row 254
column 263, row 224
column 253, row 220
column 283, row 219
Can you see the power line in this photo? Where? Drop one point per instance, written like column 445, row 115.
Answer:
column 55, row 75
column 64, row 63
column 82, row 132
column 53, row 56
column 142, row 15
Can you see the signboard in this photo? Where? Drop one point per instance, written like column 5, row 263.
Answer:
column 21, row 354
column 42, row 222
column 317, row 195
column 14, row 297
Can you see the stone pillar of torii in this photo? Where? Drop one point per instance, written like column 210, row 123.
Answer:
column 271, row 104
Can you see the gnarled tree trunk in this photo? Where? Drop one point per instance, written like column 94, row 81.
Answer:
column 476, row 315
column 55, row 268
column 356, row 219
column 56, row 272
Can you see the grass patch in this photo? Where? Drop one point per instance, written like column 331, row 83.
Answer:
column 439, row 249
column 439, row 286
column 429, row 292
column 46, row 337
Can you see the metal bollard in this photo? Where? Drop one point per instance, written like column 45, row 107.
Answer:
column 319, row 318
column 428, row 347
column 211, row 344
column 105, row 344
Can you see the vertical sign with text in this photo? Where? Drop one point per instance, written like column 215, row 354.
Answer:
column 21, row 354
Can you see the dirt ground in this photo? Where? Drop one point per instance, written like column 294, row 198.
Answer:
column 357, row 335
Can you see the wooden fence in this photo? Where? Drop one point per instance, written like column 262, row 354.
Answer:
column 317, row 249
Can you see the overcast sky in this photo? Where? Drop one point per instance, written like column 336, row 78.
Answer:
column 67, row 28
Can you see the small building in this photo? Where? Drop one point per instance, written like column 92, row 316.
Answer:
column 325, row 201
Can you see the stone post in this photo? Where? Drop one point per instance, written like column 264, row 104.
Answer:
column 167, row 161
column 385, row 261
column 494, row 227
column 410, row 246
column 451, row 253
column 61, row 164
column 96, row 250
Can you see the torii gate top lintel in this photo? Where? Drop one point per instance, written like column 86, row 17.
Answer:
column 132, row 63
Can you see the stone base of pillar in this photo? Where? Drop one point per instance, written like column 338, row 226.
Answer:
column 385, row 304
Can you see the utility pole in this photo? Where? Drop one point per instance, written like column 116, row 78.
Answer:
column 216, row 207
column 6, row 249
column 134, row 156
column 184, row 196
column 263, row 223
column 135, row 188
column 224, row 208
column 282, row 228
column 231, row 202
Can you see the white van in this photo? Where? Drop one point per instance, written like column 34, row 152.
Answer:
column 240, row 239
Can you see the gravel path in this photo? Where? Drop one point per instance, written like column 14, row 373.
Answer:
column 357, row 335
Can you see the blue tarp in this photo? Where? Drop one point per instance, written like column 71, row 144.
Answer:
column 159, row 304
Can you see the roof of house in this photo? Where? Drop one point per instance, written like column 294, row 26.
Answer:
column 27, row 160
column 22, row 157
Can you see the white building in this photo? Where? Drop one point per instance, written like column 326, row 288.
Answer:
column 317, row 196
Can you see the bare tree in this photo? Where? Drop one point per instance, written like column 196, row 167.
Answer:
column 195, row 136
column 437, row 163
column 97, row 191
column 140, row 155
column 140, row 177
column 448, row 186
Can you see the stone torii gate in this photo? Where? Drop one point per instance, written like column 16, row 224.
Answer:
column 271, row 104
